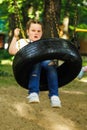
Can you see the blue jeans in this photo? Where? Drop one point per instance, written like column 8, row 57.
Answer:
column 52, row 78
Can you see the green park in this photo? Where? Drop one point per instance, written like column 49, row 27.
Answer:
column 68, row 16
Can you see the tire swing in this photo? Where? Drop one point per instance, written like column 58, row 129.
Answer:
column 51, row 48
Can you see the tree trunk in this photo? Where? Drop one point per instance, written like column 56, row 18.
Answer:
column 66, row 19
column 51, row 17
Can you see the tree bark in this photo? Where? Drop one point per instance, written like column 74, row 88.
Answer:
column 52, row 11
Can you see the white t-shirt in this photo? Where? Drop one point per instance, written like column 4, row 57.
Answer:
column 21, row 43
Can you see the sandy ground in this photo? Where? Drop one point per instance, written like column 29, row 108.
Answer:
column 17, row 114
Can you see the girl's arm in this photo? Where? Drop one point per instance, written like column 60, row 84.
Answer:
column 12, row 48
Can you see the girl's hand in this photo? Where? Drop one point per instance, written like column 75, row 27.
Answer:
column 17, row 32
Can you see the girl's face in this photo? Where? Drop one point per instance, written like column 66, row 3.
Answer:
column 35, row 32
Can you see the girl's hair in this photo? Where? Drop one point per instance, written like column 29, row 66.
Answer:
column 33, row 21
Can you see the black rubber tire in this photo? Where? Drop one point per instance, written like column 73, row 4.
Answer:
column 51, row 48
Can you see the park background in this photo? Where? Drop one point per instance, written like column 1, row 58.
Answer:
column 15, row 111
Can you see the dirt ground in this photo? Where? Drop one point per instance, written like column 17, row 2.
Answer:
column 17, row 114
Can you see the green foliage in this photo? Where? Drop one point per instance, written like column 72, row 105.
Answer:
column 3, row 16
column 29, row 8
column 4, row 54
column 82, row 35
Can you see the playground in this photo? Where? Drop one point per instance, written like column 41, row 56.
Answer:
column 15, row 111
column 17, row 114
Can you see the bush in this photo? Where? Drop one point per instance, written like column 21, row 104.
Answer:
column 4, row 54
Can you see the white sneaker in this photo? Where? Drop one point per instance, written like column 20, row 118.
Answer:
column 55, row 101
column 33, row 97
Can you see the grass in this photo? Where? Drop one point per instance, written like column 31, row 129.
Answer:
column 6, row 75
column 84, row 59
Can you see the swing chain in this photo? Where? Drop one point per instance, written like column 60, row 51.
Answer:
column 51, row 19
column 17, row 18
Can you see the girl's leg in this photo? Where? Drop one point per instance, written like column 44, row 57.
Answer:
column 52, row 83
column 34, row 79
column 52, row 77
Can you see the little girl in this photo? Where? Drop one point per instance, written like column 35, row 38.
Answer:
column 34, row 31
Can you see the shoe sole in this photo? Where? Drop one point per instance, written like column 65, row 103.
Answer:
column 56, row 106
column 35, row 101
